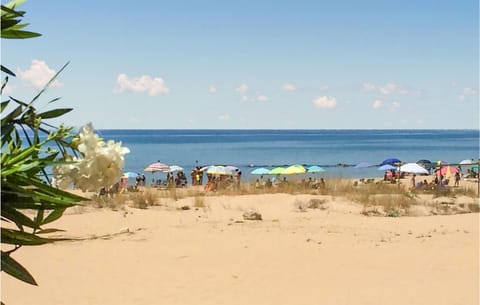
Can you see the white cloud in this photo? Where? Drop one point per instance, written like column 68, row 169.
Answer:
column 242, row 88
column 368, row 87
column 467, row 92
column 258, row 98
column 212, row 89
column 324, row 87
column 245, row 99
column 224, row 117
column 289, row 87
column 262, row 98
column 377, row 104
column 325, row 102
column 392, row 88
column 38, row 74
column 144, row 83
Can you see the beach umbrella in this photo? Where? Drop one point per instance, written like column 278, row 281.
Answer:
column 294, row 169
column 232, row 168
column 315, row 169
column 446, row 171
column 219, row 170
column 413, row 168
column 260, row 171
column 277, row 171
column 174, row 168
column 467, row 162
column 130, row 175
column 363, row 165
column 391, row 161
column 156, row 167
column 386, row 167
column 427, row 164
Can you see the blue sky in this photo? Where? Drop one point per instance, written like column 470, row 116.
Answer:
column 254, row 64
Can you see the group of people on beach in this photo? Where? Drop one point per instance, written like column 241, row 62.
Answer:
column 276, row 182
column 218, row 182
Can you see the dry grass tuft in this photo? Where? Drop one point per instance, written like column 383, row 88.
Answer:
column 142, row 200
column 300, row 205
column 199, row 202
column 314, row 203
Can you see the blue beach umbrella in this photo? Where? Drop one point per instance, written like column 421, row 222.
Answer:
column 130, row 174
column 386, row 167
column 391, row 161
column 260, row 171
column 315, row 169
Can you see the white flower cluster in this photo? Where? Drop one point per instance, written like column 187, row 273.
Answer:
column 101, row 164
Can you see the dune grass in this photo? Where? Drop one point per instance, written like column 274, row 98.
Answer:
column 382, row 198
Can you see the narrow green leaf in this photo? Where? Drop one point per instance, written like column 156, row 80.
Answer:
column 6, row 131
column 54, row 100
column 39, row 218
column 12, row 115
column 52, row 190
column 14, row 4
column 12, row 267
column 15, row 237
column 8, row 9
column 9, row 23
column 20, row 102
column 54, row 113
column 5, row 70
column 54, row 215
column 52, row 230
column 19, row 218
column 22, row 155
column 14, row 34
column 49, row 83
column 3, row 105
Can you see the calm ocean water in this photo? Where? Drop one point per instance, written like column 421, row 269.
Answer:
column 248, row 149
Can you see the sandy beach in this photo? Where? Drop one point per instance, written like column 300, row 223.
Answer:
column 212, row 255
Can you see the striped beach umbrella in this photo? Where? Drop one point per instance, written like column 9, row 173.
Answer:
column 156, row 167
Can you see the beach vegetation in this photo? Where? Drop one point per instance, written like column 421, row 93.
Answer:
column 143, row 200
column 26, row 141
column 31, row 149
column 199, row 202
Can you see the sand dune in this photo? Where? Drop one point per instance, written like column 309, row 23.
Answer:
column 212, row 255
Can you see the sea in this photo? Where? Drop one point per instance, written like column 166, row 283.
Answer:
column 337, row 151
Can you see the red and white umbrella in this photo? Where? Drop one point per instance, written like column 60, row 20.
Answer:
column 447, row 170
column 156, row 167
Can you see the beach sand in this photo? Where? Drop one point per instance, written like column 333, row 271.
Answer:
column 211, row 255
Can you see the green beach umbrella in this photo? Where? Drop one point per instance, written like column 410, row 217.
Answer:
column 276, row 171
column 294, row 169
